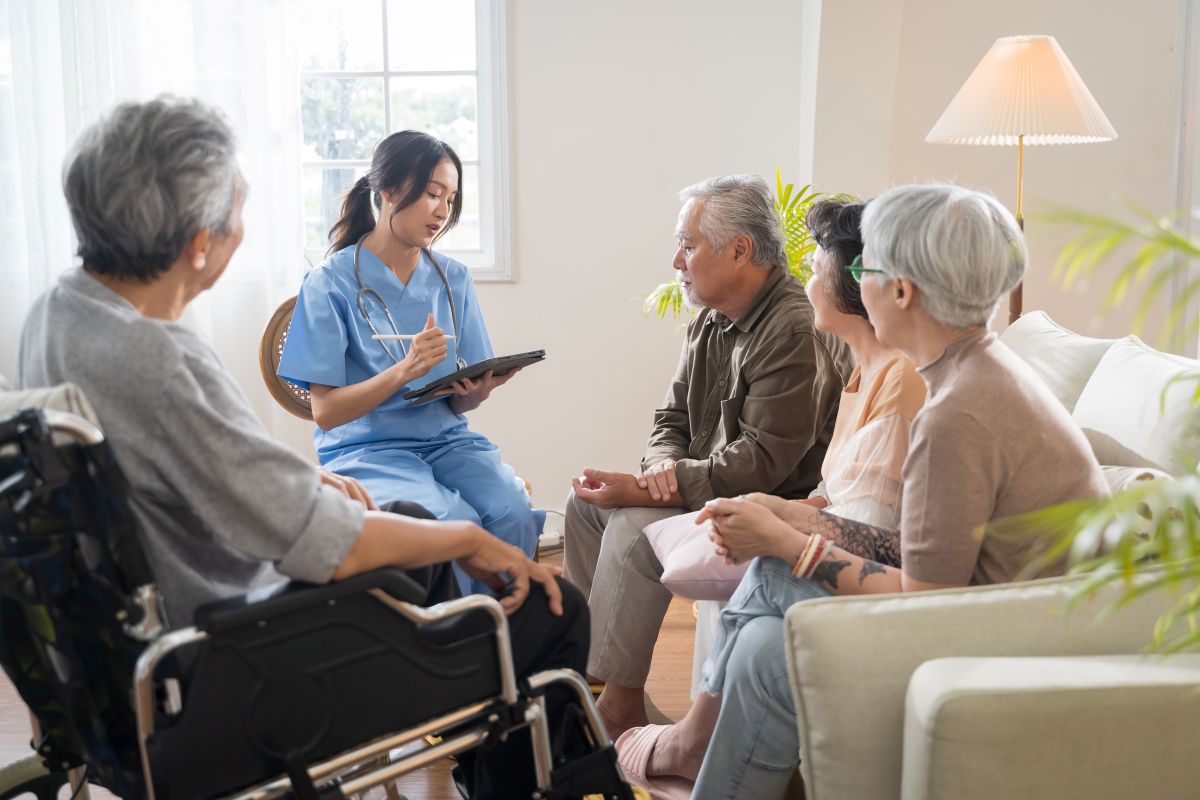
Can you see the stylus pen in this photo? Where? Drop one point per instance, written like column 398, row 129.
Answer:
column 391, row 336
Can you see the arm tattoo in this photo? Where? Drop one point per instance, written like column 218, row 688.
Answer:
column 827, row 572
column 867, row 541
column 869, row 568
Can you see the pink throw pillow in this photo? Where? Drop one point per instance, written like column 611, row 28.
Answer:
column 691, row 567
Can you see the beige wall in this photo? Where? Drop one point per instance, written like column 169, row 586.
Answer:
column 915, row 54
column 614, row 107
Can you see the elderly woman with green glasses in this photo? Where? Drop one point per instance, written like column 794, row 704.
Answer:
column 990, row 442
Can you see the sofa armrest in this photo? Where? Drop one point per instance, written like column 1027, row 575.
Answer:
column 1101, row 727
column 850, row 660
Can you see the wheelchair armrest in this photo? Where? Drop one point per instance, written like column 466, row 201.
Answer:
column 287, row 598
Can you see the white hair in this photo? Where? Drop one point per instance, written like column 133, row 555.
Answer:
column 960, row 247
column 147, row 178
column 740, row 205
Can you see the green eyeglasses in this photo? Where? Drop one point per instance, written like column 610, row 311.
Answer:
column 856, row 269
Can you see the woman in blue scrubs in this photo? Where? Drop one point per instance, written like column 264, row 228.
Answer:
column 382, row 277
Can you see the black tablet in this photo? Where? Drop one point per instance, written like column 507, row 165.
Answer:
column 499, row 366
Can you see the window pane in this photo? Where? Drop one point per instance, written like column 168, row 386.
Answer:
column 342, row 117
column 346, row 35
column 465, row 235
column 441, row 106
column 324, row 191
column 424, row 35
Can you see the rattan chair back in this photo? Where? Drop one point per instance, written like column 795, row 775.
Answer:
column 295, row 399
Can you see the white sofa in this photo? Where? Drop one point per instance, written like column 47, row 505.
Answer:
column 1005, row 691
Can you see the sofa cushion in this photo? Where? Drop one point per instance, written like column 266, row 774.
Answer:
column 1052, row 727
column 1064, row 360
column 850, row 660
column 1137, row 408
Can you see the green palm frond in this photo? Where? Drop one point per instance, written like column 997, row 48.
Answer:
column 1113, row 540
column 666, row 297
column 1157, row 254
column 792, row 206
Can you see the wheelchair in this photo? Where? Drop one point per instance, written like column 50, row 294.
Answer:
column 301, row 691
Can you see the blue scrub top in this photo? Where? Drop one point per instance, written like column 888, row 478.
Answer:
column 330, row 343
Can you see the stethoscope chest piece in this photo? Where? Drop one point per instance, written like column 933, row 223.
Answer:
column 367, row 295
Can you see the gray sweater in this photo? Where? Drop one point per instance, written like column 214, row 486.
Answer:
column 223, row 508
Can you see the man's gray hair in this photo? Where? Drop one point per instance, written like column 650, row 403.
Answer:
column 144, row 180
column 960, row 247
column 740, row 205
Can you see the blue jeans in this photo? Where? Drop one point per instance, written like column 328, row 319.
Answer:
column 755, row 747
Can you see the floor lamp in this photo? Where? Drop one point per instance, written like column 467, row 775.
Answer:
column 1023, row 92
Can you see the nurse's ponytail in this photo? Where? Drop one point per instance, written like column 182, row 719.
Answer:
column 403, row 163
column 357, row 218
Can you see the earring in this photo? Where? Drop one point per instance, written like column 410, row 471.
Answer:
column 201, row 261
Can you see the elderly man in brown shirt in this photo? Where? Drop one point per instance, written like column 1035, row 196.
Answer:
column 751, row 408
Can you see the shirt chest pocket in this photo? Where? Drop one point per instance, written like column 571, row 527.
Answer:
column 731, row 414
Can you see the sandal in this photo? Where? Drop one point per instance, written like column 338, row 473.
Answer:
column 634, row 747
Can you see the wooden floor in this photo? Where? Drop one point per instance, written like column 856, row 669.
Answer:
column 669, row 684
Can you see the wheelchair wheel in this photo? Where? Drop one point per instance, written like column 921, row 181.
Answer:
column 29, row 776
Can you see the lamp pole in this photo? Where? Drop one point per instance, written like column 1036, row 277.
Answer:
column 1016, row 296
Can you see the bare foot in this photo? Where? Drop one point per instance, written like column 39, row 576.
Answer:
column 681, row 747
column 672, row 755
column 619, row 715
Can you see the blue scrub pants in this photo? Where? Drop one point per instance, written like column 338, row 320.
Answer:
column 461, row 478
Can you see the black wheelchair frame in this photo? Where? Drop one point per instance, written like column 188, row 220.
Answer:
column 286, row 692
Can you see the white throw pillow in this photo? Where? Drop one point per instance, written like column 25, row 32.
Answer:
column 1121, row 478
column 1131, row 411
column 691, row 567
column 1064, row 360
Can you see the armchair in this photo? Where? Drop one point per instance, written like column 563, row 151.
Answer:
column 989, row 692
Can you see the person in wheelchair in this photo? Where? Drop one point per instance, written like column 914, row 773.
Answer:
column 155, row 195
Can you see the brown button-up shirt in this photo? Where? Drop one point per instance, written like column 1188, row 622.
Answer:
column 753, row 401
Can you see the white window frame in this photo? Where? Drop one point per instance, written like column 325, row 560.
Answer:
column 492, row 261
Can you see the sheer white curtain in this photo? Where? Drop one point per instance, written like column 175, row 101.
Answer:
column 63, row 63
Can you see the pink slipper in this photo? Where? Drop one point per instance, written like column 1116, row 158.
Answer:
column 633, row 753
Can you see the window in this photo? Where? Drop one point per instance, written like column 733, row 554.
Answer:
column 373, row 67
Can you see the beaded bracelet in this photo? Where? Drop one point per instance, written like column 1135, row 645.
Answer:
column 798, row 567
column 817, row 556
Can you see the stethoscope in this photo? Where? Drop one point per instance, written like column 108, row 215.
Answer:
column 365, row 291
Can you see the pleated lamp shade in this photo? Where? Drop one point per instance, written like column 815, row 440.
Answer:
column 1024, row 86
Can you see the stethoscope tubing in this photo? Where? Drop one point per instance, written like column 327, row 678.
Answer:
column 367, row 291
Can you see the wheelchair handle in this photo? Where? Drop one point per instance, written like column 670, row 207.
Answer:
column 79, row 429
column 74, row 426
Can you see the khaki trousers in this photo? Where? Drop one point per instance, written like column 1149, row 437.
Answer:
column 610, row 560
